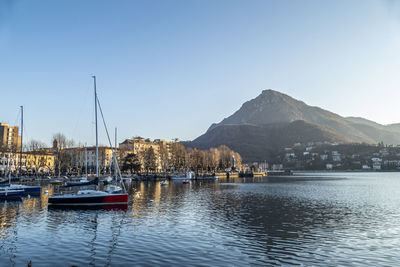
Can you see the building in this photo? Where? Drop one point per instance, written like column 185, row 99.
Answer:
column 277, row 167
column 9, row 137
column 336, row 156
column 78, row 156
column 33, row 162
column 290, row 156
column 365, row 167
column 376, row 163
column 324, row 157
column 139, row 146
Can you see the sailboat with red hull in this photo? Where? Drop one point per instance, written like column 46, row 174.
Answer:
column 93, row 198
column 89, row 198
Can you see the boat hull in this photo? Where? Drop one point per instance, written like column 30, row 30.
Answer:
column 111, row 199
column 28, row 189
column 34, row 190
column 11, row 195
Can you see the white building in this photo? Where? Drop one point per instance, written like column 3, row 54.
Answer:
column 336, row 156
column 324, row 156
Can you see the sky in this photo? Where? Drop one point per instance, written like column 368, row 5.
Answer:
column 169, row 69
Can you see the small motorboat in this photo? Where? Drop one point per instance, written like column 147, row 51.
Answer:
column 186, row 182
column 165, row 182
column 56, row 182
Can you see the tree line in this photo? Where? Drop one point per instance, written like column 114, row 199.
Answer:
column 179, row 159
column 163, row 158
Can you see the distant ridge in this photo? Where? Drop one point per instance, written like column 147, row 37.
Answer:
column 274, row 120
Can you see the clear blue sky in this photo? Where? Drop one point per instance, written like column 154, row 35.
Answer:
column 171, row 68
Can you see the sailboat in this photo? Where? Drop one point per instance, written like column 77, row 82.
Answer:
column 7, row 193
column 26, row 189
column 94, row 197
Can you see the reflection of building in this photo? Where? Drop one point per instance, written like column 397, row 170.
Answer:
column 139, row 146
column 9, row 137
column 32, row 162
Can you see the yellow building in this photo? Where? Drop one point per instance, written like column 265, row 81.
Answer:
column 38, row 162
column 32, row 162
column 139, row 145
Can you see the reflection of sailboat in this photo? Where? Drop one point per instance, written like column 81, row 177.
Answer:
column 93, row 197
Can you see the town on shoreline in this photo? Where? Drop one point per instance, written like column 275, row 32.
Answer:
column 139, row 156
column 147, row 157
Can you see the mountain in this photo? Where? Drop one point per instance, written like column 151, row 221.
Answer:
column 260, row 142
column 394, row 127
column 274, row 120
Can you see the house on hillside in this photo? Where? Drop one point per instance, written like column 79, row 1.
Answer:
column 336, row 156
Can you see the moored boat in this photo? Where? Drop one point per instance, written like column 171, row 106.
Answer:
column 6, row 194
column 188, row 176
column 28, row 189
column 91, row 198
column 83, row 182
column 56, row 182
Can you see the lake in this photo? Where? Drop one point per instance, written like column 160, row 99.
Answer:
column 327, row 219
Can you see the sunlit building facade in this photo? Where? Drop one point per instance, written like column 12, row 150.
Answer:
column 9, row 137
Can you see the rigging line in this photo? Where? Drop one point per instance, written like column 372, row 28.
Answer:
column 17, row 118
column 109, row 141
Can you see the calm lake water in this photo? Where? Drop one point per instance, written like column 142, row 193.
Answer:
column 324, row 219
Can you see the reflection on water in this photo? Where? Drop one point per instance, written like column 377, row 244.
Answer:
column 308, row 219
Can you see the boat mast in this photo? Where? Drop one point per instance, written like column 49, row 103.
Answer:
column 86, row 161
column 97, row 137
column 22, row 135
column 115, row 151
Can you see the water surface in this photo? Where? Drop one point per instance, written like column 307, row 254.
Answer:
column 324, row 219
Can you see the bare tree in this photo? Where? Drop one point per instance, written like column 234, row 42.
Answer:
column 164, row 156
column 63, row 159
column 149, row 160
column 178, row 156
column 35, row 145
